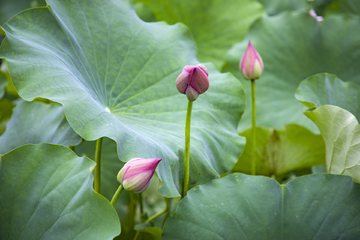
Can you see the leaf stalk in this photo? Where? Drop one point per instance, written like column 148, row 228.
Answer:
column 116, row 195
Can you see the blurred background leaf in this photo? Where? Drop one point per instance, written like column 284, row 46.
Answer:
column 344, row 6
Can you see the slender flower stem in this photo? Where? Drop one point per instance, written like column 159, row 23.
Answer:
column 98, row 164
column 116, row 195
column 136, row 235
column 187, row 149
column 141, row 204
column 253, row 166
column 168, row 203
column 132, row 207
column 156, row 215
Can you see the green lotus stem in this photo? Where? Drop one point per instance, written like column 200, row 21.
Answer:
column 168, row 202
column 136, row 235
column 156, row 215
column 141, row 204
column 187, row 149
column 132, row 207
column 116, row 195
column 253, row 166
column 98, row 164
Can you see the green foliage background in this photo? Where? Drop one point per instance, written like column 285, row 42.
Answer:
column 91, row 69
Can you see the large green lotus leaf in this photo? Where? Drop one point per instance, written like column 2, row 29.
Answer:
column 318, row 206
column 36, row 122
column 294, row 46
column 46, row 193
column 280, row 151
column 215, row 24
column 274, row 7
column 115, row 76
column 339, row 127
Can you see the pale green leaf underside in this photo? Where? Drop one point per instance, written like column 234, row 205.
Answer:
column 280, row 151
column 341, row 132
column 115, row 76
column 46, row 193
column 339, row 127
column 294, row 46
column 36, row 122
column 318, row 206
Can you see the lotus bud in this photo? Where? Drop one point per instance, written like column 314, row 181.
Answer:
column 314, row 15
column 136, row 174
column 193, row 81
column 251, row 65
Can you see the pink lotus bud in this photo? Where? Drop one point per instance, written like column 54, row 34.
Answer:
column 136, row 174
column 314, row 15
column 251, row 65
column 319, row 18
column 192, row 81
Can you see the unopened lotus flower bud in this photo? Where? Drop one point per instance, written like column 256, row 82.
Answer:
column 251, row 65
column 136, row 174
column 314, row 15
column 192, row 81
